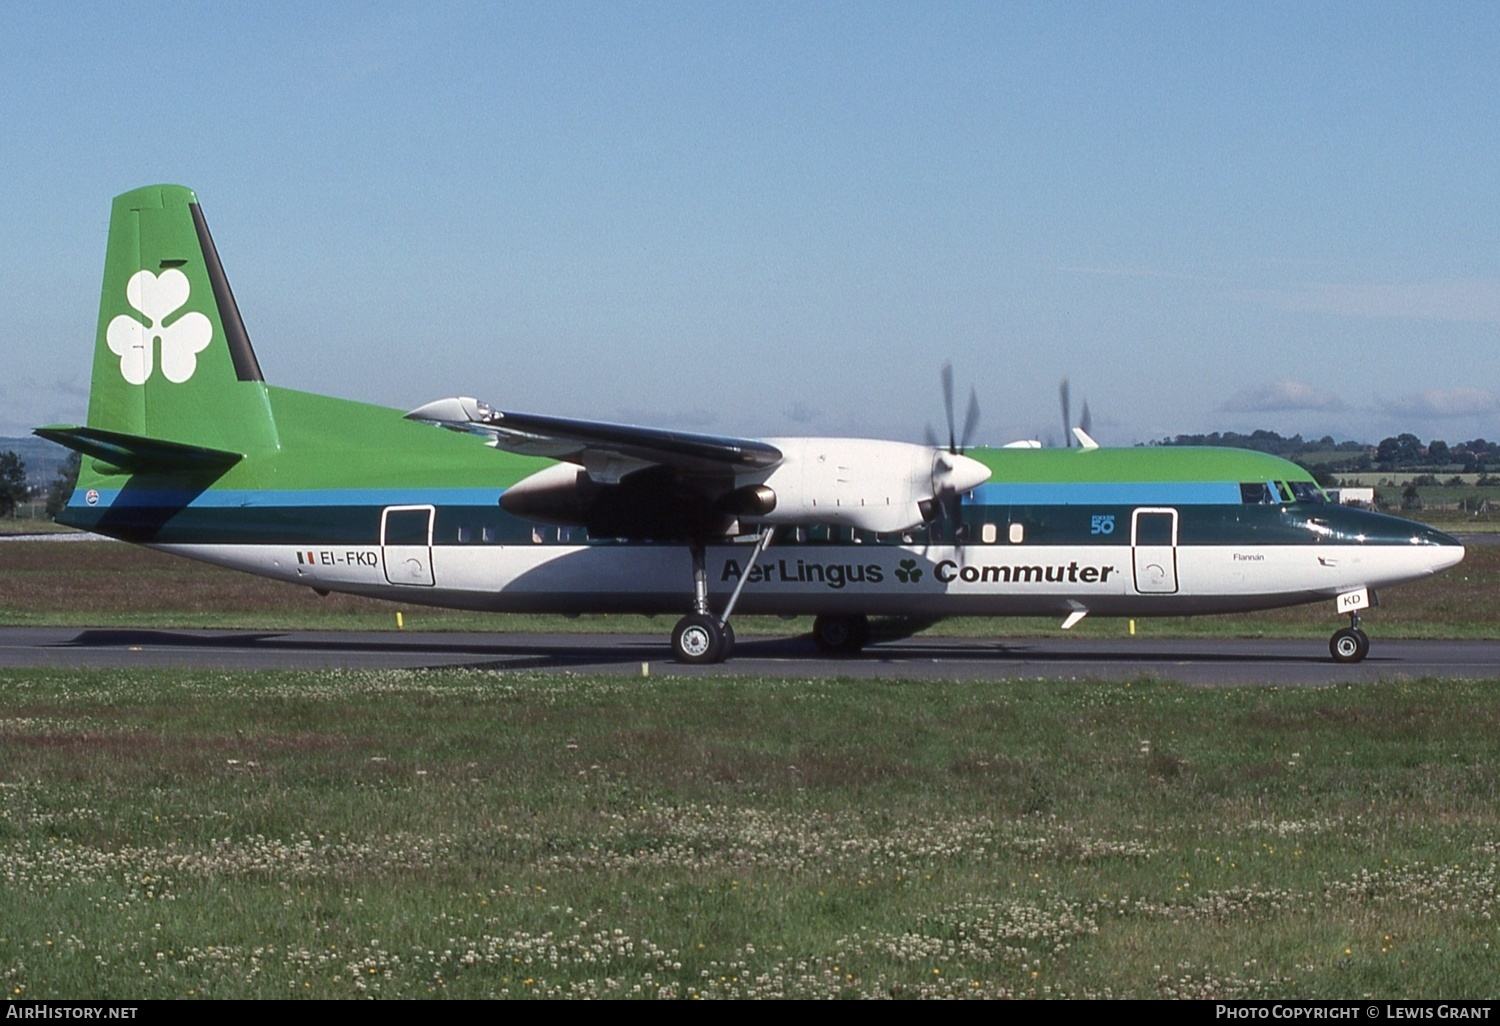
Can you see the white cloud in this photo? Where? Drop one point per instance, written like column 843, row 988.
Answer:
column 1460, row 300
column 1279, row 396
column 1445, row 402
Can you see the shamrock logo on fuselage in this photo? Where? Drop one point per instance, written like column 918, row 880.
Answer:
column 907, row 571
column 157, row 298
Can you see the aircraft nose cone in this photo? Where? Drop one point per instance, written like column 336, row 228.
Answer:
column 1443, row 550
column 953, row 473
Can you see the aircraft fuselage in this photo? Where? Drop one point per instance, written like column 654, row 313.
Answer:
column 1109, row 558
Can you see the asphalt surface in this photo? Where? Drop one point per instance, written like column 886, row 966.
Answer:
column 1197, row 661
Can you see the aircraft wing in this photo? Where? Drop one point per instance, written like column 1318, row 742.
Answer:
column 607, row 451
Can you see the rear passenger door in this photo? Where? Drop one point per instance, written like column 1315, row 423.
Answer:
column 406, row 544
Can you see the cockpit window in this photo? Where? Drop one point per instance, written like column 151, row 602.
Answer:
column 1273, row 493
column 1306, row 491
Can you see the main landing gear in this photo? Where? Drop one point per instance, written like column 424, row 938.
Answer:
column 702, row 637
column 1349, row 644
column 841, row 635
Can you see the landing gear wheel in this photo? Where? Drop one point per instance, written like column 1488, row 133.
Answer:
column 841, row 635
column 1349, row 645
column 697, row 638
column 726, row 643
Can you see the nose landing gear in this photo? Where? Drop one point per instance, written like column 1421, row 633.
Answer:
column 1349, row 644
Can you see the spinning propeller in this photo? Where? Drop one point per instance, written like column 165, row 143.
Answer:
column 1085, row 422
column 949, row 491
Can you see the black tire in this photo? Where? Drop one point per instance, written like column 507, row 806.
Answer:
column 697, row 639
column 841, row 635
column 1349, row 645
column 726, row 643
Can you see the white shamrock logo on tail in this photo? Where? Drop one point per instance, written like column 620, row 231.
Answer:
column 134, row 343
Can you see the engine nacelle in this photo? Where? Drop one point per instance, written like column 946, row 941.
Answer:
column 560, row 494
column 862, row 483
column 651, row 503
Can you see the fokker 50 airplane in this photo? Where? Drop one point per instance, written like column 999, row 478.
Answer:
column 187, row 449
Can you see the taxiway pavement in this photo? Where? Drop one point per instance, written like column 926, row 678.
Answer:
column 1193, row 661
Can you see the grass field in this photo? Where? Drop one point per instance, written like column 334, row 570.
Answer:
column 108, row 584
column 478, row 834
column 31, row 520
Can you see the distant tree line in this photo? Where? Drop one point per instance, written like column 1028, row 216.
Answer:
column 1401, row 453
column 1268, row 441
column 14, row 491
column 1406, row 452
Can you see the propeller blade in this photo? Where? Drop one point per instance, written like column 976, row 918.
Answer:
column 930, row 436
column 1086, row 422
column 1062, row 395
column 948, row 404
column 971, row 421
column 953, row 475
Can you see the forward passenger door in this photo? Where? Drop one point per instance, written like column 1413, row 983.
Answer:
column 1153, row 545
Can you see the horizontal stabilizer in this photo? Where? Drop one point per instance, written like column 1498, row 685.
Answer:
column 135, row 454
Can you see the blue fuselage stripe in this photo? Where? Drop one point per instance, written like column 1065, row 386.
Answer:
column 1111, row 493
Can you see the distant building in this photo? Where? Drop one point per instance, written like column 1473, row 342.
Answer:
column 1364, row 498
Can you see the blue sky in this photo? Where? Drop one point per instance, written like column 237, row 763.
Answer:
column 781, row 218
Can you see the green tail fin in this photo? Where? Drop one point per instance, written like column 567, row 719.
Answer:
column 172, row 360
